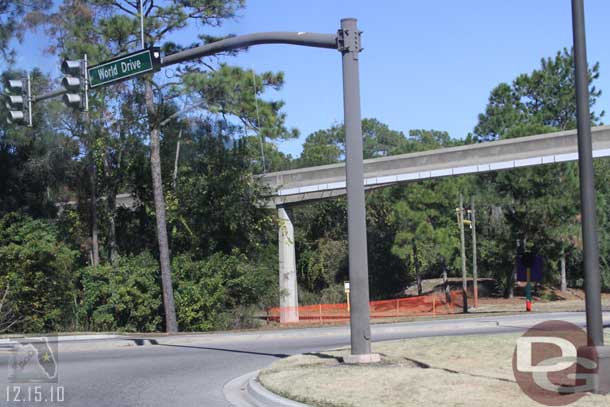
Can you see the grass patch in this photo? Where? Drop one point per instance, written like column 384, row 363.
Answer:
column 473, row 371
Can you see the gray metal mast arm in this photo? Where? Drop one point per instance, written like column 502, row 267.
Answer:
column 49, row 95
column 243, row 41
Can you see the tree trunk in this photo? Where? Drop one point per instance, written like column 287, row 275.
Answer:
column 510, row 283
column 113, row 189
column 95, row 246
column 417, row 270
column 446, row 283
column 155, row 165
column 564, row 281
column 176, row 160
column 113, row 253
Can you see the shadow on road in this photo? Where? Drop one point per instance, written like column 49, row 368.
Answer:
column 275, row 355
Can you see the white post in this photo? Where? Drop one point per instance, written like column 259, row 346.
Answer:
column 141, row 24
column 289, row 297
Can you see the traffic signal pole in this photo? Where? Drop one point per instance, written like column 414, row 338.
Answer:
column 596, row 349
column 346, row 41
column 86, row 86
column 349, row 46
column 29, row 97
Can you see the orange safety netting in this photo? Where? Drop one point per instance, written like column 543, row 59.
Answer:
column 432, row 304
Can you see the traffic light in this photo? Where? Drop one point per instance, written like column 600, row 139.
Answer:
column 75, row 82
column 19, row 101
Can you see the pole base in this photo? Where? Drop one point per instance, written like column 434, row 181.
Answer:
column 600, row 381
column 362, row 359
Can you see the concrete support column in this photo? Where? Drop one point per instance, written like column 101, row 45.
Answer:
column 289, row 297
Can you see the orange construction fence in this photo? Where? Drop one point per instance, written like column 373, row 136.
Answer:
column 431, row 304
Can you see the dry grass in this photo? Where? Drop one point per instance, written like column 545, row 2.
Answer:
column 518, row 305
column 473, row 371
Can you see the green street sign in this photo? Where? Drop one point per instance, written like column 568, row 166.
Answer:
column 123, row 67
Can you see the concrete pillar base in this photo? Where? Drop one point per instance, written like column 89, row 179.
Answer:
column 601, row 355
column 289, row 315
column 362, row 359
column 289, row 296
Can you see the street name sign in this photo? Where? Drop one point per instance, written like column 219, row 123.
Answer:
column 124, row 67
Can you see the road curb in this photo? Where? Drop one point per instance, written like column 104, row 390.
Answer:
column 246, row 391
column 268, row 398
column 61, row 338
column 83, row 344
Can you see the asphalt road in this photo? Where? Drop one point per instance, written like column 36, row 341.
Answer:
column 188, row 371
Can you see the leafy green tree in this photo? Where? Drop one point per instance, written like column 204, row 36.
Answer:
column 15, row 16
column 328, row 146
column 216, row 171
column 426, row 238
column 320, row 227
column 423, row 140
column 323, row 147
column 543, row 98
column 321, row 246
column 104, row 28
column 386, row 270
column 602, row 186
column 34, row 161
column 539, row 203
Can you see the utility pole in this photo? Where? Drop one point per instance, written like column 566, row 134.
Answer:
column 595, row 333
column 460, row 215
column 473, row 226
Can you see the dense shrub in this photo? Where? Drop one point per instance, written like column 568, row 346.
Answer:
column 219, row 292
column 126, row 297
column 38, row 269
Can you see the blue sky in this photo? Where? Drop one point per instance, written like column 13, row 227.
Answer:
column 426, row 64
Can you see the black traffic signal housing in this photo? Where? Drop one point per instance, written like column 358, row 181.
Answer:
column 75, row 82
column 18, row 96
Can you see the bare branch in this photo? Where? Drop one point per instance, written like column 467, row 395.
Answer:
column 179, row 112
column 7, row 319
column 150, row 7
column 117, row 4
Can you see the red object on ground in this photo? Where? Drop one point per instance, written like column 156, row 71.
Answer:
column 432, row 304
column 528, row 306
